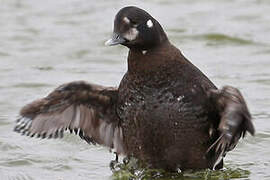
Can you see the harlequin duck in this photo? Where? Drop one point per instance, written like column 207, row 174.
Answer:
column 165, row 112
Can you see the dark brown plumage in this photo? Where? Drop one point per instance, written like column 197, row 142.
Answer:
column 166, row 112
column 85, row 109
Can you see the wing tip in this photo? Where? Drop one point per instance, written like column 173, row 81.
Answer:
column 23, row 125
column 250, row 128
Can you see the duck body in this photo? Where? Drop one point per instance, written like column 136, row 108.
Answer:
column 164, row 111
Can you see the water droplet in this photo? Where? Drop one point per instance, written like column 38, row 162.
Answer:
column 180, row 98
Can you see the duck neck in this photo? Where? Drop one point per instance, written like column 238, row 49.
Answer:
column 151, row 61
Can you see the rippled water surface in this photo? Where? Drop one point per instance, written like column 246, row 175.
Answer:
column 46, row 43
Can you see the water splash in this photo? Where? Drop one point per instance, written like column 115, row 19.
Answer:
column 132, row 169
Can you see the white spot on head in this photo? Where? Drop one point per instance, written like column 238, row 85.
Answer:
column 131, row 34
column 144, row 52
column 149, row 23
column 126, row 20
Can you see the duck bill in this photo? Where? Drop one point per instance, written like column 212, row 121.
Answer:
column 115, row 40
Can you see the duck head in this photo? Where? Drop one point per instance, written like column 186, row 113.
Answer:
column 136, row 29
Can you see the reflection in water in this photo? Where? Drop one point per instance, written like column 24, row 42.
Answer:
column 47, row 43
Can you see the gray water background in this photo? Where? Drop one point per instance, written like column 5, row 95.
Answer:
column 46, row 43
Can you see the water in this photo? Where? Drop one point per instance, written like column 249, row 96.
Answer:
column 46, row 43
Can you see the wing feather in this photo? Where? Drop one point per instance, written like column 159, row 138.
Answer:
column 86, row 109
column 235, row 120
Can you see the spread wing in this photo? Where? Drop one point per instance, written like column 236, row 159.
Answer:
column 235, row 119
column 85, row 109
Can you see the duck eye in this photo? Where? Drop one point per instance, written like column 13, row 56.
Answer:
column 134, row 23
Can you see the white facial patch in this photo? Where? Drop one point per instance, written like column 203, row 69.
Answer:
column 144, row 52
column 131, row 34
column 126, row 20
column 149, row 23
